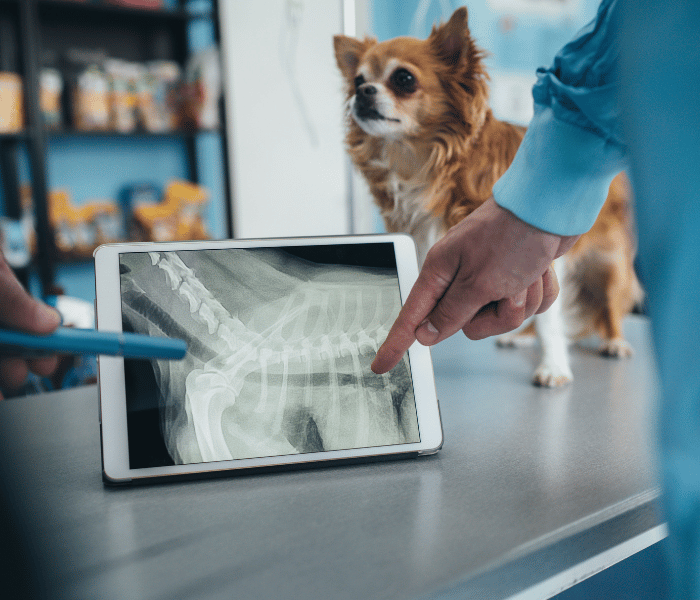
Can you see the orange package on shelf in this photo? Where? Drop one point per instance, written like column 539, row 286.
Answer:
column 11, row 103
column 178, row 217
column 80, row 229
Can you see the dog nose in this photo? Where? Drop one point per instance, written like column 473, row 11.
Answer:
column 367, row 90
column 366, row 94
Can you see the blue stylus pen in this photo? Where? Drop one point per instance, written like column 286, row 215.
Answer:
column 69, row 340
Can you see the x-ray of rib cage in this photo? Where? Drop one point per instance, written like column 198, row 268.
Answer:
column 279, row 353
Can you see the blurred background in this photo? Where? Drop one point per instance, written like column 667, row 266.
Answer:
column 137, row 120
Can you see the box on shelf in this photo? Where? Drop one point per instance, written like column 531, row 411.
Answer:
column 178, row 216
column 11, row 103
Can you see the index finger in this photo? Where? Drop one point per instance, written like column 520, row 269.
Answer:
column 425, row 294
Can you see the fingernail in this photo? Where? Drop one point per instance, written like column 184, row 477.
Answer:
column 427, row 333
column 520, row 299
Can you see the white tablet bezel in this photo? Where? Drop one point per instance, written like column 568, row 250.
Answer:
column 111, row 384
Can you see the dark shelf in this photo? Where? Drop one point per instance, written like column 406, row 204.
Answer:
column 66, row 133
column 68, row 6
column 16, row 135
column 66, row 9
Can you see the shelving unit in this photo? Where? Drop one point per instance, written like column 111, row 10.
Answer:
column 28, row 29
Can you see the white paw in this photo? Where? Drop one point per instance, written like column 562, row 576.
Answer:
column 552, row 376
column 616, row 348
column 515, row 340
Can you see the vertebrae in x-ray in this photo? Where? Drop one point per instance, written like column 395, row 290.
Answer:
column 279, row 353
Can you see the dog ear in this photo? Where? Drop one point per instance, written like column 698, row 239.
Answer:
column 348, row 52
column 451, row 40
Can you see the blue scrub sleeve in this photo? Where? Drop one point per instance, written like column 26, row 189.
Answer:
column 573, row 147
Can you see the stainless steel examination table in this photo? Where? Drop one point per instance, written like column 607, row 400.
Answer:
column 533, row 490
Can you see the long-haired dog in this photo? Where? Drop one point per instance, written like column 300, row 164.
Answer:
column 420, row 130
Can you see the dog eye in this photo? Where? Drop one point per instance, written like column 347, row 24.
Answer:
column 404, row 81
column 359, row 80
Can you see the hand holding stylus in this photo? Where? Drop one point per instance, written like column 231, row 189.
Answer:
column 20, row 311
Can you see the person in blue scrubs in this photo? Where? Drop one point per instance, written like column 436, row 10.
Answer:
column 624, row 94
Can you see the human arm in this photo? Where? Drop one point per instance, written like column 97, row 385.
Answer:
column 19, row 310
column 492, row 270
column 486, row 276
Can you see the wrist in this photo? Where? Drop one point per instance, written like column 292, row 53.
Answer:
column 560, row 176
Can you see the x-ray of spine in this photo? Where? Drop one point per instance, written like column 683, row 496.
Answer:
column 279, row 353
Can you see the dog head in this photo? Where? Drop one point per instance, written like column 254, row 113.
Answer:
column 407, row 88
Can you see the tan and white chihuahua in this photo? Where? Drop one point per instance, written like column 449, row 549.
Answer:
column 420, row 130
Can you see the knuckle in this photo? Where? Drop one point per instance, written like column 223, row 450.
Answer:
column 511, row 322
column 445, row 315
column 510, row 316
column 473, row 334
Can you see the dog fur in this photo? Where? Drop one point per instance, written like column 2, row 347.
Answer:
column 420, row 130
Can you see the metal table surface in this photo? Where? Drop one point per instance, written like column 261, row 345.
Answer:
column 533, row 490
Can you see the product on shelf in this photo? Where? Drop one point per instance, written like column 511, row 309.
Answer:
column 27, row 217
column 191, row 200
column 18, row 236
column 11, row 103
column 79, row 230
column 133, row 196
column 116, row 95
column 179, row 216
column 13, row 243
column 137, row 3
column 125, row 89
column 203, row 90
column 50, row 90
column 159, row 98
column 91, row 100
column 89, row 90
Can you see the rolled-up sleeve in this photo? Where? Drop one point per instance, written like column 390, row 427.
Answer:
column 573, row 147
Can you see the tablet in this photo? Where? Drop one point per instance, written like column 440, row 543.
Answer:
column 280, row 334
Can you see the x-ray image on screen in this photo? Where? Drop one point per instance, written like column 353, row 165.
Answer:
column 280, row 345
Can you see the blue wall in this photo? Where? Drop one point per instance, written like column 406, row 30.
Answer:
column 515, row 40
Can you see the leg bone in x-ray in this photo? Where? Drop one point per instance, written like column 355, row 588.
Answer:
column 280, row 353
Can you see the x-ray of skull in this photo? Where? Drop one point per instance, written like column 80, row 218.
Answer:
column 280, row 342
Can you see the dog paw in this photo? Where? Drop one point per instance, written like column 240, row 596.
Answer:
column 552, row 376
column 515, row 340
column 616, row 348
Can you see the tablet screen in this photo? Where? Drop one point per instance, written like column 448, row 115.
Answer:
column 280, row 345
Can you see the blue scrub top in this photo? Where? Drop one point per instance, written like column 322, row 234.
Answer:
column 625, row 94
